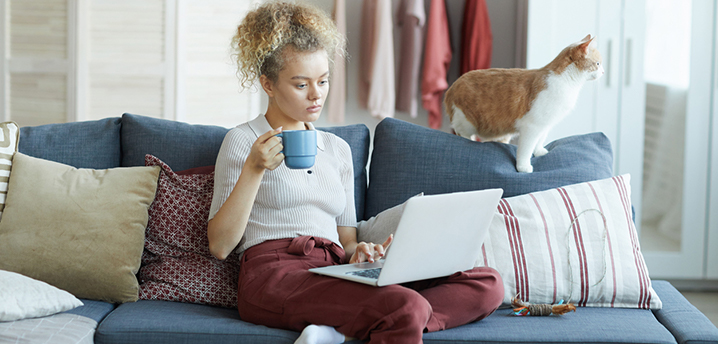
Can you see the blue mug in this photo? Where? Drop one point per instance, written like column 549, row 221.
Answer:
column 300, row 148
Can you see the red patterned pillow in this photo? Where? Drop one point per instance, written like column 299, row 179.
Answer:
column 176, row 263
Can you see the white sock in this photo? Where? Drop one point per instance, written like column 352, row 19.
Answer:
column 320, row 334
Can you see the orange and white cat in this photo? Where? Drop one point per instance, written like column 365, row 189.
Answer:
column 495, row 104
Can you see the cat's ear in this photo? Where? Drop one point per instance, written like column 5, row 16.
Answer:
column 587, row 43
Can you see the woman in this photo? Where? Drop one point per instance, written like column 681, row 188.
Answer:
column 285, row 221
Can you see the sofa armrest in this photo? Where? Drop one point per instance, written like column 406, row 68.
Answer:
column 685, row 321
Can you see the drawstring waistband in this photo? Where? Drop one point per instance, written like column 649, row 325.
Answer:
column 299, row 246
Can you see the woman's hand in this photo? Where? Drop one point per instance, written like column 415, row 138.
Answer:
column 265, row 153
column 369, row 252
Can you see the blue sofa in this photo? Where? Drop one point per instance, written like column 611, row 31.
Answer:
column 406, row 159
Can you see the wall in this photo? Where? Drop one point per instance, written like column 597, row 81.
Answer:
column 503, row 24
column 171, row 62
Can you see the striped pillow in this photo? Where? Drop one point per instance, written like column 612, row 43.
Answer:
column 9, row 135
column 576, row 243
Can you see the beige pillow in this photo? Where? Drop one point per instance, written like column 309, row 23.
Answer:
column 80, row 230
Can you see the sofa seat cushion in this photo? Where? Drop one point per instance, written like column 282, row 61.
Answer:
column 157, row 322
column 88, row 144
column 93, row 309
column 76, row 326
column 408, row 159
column 683, row 319
column 587, row 325
column 174, row 323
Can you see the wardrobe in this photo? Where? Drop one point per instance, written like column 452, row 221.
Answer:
column 662, row 131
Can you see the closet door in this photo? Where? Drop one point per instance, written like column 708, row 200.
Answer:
column 608, row 87
column 552, row 26
column 679, row 90
column 628, row 145
column 614, row 103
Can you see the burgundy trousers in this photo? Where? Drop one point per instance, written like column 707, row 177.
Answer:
column 276, row 290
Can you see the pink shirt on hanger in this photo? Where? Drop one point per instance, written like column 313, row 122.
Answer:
column 411, row 18
column 377, row 90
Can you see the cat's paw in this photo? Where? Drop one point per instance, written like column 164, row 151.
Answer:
column 525, row 168
column 540, row 151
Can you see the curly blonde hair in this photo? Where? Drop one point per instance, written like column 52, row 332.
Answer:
column 265, row 32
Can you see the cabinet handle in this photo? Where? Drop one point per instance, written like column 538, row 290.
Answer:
column 628, row 64
column 607, row 63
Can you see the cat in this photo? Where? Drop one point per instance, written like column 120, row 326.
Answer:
column 495, row 104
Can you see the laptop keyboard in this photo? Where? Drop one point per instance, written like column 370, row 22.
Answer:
column 368, row 273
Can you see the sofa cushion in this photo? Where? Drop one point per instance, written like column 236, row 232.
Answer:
column 158, row 322
column 575, row 243
column 176, row 262
column 586, row 325
column 184, row 146
column 93, row 309
column 408, row 159
column 180, row 145
column 684, row 320
column 161, row 322
column 81, row 230
column 89, row 144
column 62, row 328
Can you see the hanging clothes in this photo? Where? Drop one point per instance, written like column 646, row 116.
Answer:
column 338, row 90
column 377, row 80
column 476, row 37
column 411, row 18
column 437, row 57
column 366, row 50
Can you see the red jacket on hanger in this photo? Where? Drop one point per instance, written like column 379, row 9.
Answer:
column 476, row 37
column 437, row 57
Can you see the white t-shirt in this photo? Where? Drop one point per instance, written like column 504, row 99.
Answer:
column 289, row 203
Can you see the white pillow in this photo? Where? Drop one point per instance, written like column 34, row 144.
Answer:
column 378, row 228
column 23, row 297
column 575, row 243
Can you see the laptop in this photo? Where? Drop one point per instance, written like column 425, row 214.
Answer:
column 437, row 236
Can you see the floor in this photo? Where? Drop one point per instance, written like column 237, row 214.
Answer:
column 706, row 302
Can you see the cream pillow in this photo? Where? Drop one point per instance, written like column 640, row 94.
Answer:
column 22, row 297
column 378, row 228
column 80, row 230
